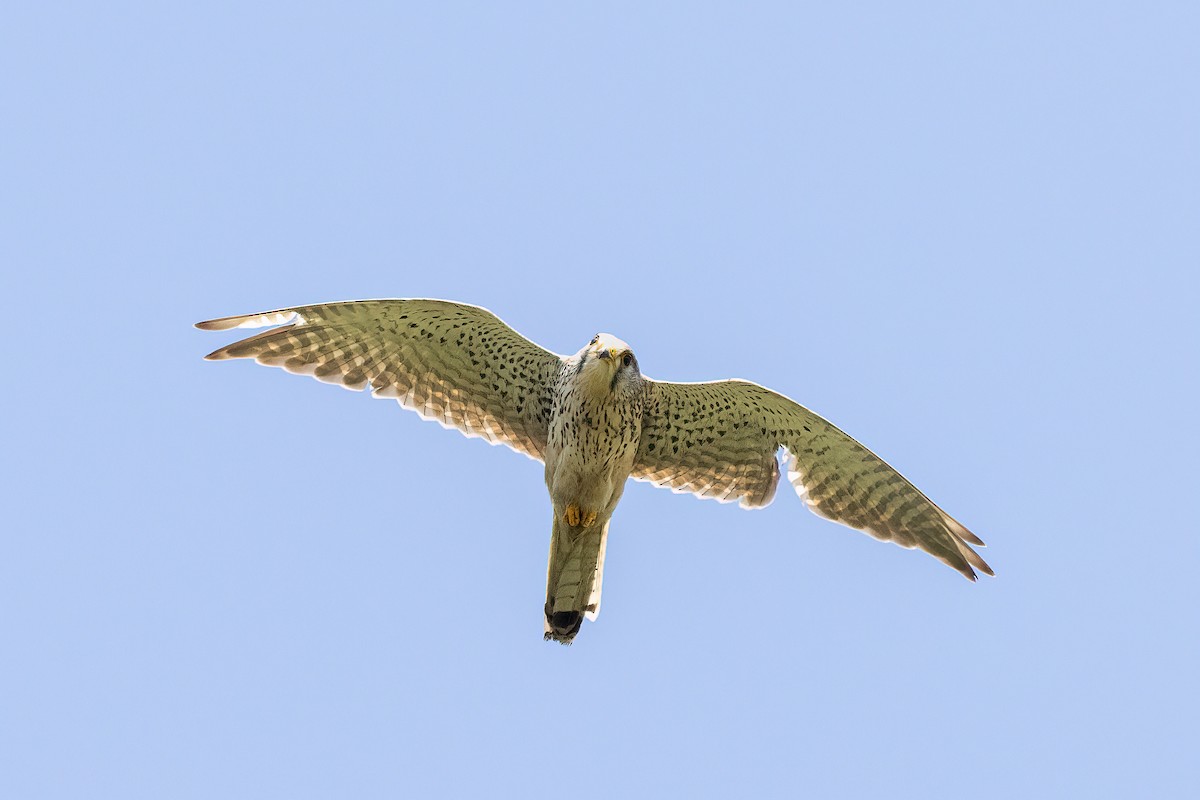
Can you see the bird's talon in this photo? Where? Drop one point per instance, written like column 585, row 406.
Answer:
column 589, row 518
column 572, row 515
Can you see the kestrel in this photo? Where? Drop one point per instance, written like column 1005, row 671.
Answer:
column 594, row 420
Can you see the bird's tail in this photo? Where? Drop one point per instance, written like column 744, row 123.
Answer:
column 573, row 578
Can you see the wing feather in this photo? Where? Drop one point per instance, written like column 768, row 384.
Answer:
column 723, row 440
column 456, row 364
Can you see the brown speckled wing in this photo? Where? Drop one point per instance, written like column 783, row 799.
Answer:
column 456, row 364
column 721, row 440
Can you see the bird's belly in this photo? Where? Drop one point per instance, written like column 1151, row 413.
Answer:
column 577, row 477
column 590, row 453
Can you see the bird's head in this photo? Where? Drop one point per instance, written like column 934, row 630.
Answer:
column 607, row 365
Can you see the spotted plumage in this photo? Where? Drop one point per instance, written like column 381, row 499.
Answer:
column 595, row 421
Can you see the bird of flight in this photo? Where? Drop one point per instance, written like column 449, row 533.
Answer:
column 594, row 420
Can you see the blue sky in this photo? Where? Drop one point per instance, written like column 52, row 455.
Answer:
column 965, row 233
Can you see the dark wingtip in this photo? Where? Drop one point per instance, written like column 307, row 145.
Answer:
column 969, row 537
column 983, row 567
column 221, row 323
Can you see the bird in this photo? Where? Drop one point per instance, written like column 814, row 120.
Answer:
column 595, row 421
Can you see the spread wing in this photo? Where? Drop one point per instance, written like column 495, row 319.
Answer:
column 720, row 440
column 459, row 365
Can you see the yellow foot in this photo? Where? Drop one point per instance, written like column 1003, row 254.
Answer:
column 576, row 517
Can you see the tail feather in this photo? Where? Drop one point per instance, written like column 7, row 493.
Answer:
column 592, row 610
column 573, row 578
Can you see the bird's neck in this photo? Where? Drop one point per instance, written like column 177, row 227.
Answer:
column 595, row 382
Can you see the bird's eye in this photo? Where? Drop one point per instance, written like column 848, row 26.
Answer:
column 627, row 360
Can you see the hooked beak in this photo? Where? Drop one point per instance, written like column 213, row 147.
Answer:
column 609, row 353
